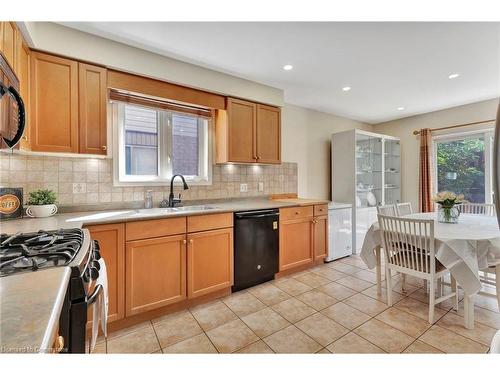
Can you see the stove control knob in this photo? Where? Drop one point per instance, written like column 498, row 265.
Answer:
column 86, row 276
column 94, row 273
column 97, row 254
column 96, row 264
column 96, row 245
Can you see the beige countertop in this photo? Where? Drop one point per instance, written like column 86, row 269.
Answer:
column 79, row 219
column 30, row 305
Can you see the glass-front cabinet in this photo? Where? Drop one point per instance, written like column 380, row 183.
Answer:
column 366, row 172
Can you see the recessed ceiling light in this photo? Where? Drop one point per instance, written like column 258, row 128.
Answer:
column 288, row 67
column 454, row 75
column 401, row 108
column 346, row 88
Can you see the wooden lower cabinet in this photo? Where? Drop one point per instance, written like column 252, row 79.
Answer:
column 296, row 243
column 209, row 261
column 111, row 239
column 320, row 237
column 155, row 273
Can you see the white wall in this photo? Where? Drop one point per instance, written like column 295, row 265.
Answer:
column 58, row 39
column 403, row 128
column 306, row 136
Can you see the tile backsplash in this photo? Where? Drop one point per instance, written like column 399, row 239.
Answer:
column 89, row 181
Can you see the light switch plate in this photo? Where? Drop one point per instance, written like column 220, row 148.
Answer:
column 79, row 187
column 261, row 186
column 243, row 188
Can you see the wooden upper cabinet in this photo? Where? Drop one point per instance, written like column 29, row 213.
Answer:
column 155, row 273
column 92, row 102
column 53, row 103
column 247, row 132
column 209, row 261
column 8, row 41
column 23, row 72
column 268, row 134
column 111, row 238
column 320, row 237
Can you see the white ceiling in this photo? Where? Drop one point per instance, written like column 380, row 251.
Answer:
column 388, row 65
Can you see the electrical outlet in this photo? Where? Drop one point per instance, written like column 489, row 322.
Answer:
column 243, row 188
column 261, row 186
column 79, row 187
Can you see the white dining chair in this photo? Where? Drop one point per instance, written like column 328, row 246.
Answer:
column 477, row 208
column 404, row 209
column 388, row 210
column 409, row 249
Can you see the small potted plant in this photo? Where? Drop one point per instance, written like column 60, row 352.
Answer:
column 41, row 203
column 448, row 212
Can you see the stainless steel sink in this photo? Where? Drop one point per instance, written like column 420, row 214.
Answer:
column 168, row 210
column 202, row 207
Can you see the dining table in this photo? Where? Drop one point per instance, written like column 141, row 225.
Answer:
column 464, row 248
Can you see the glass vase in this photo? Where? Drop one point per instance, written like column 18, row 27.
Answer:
column 448, row 215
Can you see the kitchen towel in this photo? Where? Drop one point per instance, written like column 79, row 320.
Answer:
column 100, row 309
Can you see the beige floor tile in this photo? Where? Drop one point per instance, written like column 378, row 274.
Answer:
column 323, row 351
column 354, row 283
column 353, row 344
column 99, row 348
column 329, row 273
column 346, row 315
column 316, row 299
column 292, row 340
column 322, row 329
column 384, row 336
column 420, row 309
column 368, row 276
column 231, row 336
column 293, row 287
column 269, row 294
column 451, row 342
column 488, row 302
column 258, row 347
column 265, row 322
column 213, row 315
column 423, row 296
column 420, row 347
column 416, row 281
column 198, row 344
column 126, row 331
column 397, row 286
column 337, row 291
column 344, row 267
column 372, row 292
column 481, row 333
column 140, row 341
column 486, row 317
column 366, row 304
column 177, row 328
column 243, row 303
column 313, row 280
column 293, row 310
column 354, row 260
column 408, row 323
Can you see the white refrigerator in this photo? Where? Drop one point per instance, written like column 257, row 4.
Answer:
column 339, row 231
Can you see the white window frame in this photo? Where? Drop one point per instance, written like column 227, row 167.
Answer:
column 120, row 178
column 488, row 135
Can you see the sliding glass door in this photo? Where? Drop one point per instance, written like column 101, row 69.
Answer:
column 463, row 165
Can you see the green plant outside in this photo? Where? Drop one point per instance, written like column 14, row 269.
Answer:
column 42, row 197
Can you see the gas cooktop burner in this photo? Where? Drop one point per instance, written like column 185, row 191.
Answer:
column 33, row 251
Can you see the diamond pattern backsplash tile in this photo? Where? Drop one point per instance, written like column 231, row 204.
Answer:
column 95, row 180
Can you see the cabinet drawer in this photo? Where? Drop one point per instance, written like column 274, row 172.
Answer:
column 138, row 230
column 320, row 209
column 296, row 212
column 208, row 222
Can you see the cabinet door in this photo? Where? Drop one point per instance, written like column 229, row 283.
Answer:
column 8, row 42
column 23, row 73
column 155, row 273
column 111, row 238
column 320, row 237
column 241, row 131
column 209, row 261
column 92, row 99
column 54, row 103
column 296, row 243
column 268, row 134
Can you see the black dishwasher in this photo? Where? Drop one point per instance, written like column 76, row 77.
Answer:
column 256, row 247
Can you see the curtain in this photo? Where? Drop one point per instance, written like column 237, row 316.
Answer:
column 425, row 203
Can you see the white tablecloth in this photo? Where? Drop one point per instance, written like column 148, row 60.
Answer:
column 464, row 248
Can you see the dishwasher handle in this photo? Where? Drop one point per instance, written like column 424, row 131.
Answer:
column 256, row 214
